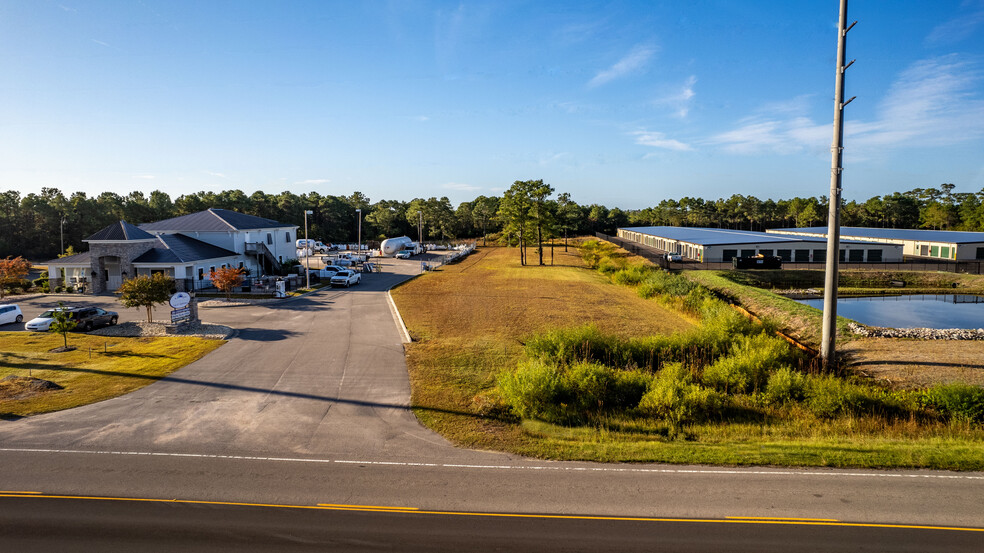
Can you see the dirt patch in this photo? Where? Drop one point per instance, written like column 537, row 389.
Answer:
column 21, row 387
column 906, row 363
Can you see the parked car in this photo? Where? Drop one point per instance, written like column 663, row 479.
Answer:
column 346, row 278
column 404, row 254
column 329, row 271
column 42, row 322
column 674, row 257
column 91, row 317
column 10, row 313
column 86, row 318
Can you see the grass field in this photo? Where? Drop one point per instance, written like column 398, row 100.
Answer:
column 469, row 323
column 99, row 368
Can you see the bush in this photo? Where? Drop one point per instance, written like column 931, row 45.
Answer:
column 542, row 390
column 747, row 366
column 828, row 395
column 960, row 402
column 785, row 386
column 633, row 275
column 665, row 283
column 674, row 397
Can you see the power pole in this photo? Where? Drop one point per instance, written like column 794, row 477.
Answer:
column 828, row 351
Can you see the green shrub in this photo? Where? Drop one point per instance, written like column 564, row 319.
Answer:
column 576, row 394
column 665, row 283
column 747, row 366
column 828, row 396
column 633, row 275
column 674, row 397
column 960, row 402
column 785, row 386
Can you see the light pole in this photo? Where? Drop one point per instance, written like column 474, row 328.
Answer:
column 62, row 235
column 420, row 229
column 358, row 213
column 307, row 247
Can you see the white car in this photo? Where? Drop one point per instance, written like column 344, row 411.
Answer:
column 404, row 254
column 42, row 323
column 10, row 313
column 346, row 278
column 674, row 257
column 329, row 271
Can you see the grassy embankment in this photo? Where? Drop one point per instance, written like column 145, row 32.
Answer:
column 471, row 377
column 99, row 368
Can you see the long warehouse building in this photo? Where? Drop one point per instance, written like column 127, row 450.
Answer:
column 935, row 244
column 721, row 245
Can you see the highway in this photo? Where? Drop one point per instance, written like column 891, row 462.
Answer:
column 308, row 405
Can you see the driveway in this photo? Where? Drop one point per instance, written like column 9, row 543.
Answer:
column 322, row 374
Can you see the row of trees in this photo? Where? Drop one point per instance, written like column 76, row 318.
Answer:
column 32, row 225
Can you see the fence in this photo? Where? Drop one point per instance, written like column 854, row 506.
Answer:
column 657, row 256
column 456, row 255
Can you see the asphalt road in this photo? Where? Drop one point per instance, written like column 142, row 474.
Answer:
column 308, row 404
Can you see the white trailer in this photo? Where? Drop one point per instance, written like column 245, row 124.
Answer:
column 392, row 246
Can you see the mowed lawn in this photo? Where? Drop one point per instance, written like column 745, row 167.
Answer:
column 469, row 320
column 99, row 368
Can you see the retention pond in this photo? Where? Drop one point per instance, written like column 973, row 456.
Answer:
column 914, row 311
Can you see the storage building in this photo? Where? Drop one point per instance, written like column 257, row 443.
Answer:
column 721, row 245
column 934, row 244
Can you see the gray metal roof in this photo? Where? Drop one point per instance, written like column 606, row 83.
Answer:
column 945, row 236
column 121, row 231
column 212, row 220
column 719, row 237
column 78, row 259
column 178, row 248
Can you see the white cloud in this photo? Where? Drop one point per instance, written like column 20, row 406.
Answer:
column 147, row 177
column 214, row 174
column 958, row 29
column 312, row 182
column 932, row 103
column 461, row 187
column 680, row 100
column 547, row 159
column 659, row 140
column 101, row 43
column 633, row 62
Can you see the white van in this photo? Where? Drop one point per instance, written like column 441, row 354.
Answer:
column 10, row 313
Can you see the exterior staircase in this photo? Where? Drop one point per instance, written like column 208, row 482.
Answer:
column 260, row 251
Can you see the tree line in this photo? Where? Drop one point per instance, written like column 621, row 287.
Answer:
column 529, row 212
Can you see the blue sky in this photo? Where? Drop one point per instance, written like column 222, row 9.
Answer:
column 619, row 103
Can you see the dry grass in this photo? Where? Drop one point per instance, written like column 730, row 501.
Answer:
column 469, row 320
column 907, row 363
column 98, row 369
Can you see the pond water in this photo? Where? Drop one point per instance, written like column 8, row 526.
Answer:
column 915, row 311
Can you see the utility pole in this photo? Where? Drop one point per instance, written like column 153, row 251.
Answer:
column 828, row 351
column 420, row 228
column 309, row 250
column 358, row 213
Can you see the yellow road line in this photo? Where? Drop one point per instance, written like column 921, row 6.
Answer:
column 786, row 518
column 7, row 491
column 340, row 505
column 402, row 510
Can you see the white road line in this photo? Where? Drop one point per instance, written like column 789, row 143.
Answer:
column 557, row 468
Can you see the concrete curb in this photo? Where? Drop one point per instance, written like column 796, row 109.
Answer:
column 404, row 334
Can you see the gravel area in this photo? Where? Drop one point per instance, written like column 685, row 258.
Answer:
column 201, row 330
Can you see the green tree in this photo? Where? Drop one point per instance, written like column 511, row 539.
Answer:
column 144, row 291
column 62, row 323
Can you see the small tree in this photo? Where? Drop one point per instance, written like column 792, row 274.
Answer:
column 12, row 271
column 62, row 322
column 226, row 279
column 144, row 291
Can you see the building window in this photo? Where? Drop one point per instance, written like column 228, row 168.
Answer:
column 785, row 255
column 980, row 253
column 269, row 239
column 287, row 236
column 767, row 253
column 748, row 253
column 945, row 252
column 819, row 256
column 934, row 251
column 855, row 256
column 201, row 273
column 924, row 250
